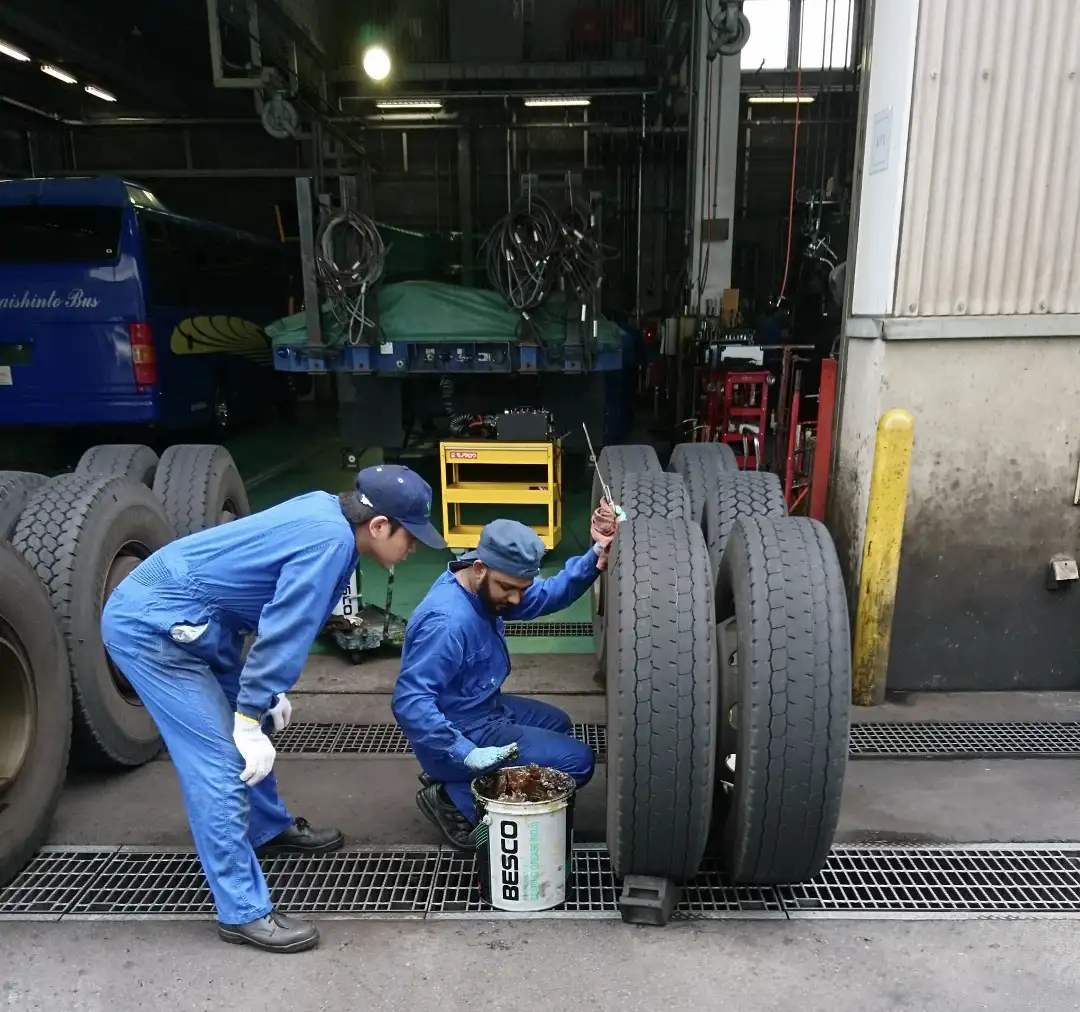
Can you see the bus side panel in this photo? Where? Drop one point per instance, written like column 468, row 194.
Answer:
column 65, row 349
column 210, row 293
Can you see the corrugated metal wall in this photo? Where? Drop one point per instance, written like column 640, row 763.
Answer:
column 991, row 221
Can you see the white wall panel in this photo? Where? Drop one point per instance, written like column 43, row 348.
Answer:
column 884, row 155
column 991, row 214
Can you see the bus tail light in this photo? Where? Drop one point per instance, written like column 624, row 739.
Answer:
column 143, row 359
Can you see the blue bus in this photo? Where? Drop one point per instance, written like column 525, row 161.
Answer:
column 115, row 312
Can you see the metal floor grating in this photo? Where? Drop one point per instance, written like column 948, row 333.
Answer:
column 534, row 628
column 990, row 880
column 383, row 739
column 977, row 739
column 868, row 741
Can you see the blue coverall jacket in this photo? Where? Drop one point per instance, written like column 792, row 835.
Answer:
column 453, row 665
column 176, row 625
column 278, row 573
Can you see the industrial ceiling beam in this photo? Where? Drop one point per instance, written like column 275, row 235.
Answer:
column 278, row 15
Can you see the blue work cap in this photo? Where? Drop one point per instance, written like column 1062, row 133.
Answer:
column 402, row 495
column 511, row 548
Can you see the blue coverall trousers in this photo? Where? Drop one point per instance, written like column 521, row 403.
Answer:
column 193, row 708
column 542, row 732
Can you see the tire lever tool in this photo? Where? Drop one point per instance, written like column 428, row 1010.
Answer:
column 617, row 510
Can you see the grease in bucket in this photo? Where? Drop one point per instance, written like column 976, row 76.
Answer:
column 523, row 783
column 524, row 839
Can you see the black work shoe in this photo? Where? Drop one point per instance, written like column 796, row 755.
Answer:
column 302, row 838
column 275, row 933
column 435, row 803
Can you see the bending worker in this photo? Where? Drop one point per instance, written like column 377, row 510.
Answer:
column 175, row 627
column 454, row 662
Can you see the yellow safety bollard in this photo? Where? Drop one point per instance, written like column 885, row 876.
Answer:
column 881, row 555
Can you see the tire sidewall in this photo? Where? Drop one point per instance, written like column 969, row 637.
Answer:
column 733, row 599
column 27, row 807
column 620, row 720
column 598, row 592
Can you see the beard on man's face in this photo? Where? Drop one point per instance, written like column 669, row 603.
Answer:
column 483, row 591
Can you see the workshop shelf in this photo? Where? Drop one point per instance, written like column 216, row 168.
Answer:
column 539, row 485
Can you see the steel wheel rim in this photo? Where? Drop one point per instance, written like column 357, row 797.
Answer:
column 123, row 563
column 221, row 411
column 18, row 709
column 227, row 513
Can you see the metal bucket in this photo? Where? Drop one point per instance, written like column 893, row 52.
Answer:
column 524, row 849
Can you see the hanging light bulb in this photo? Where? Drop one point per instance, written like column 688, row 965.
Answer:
column 376, row 63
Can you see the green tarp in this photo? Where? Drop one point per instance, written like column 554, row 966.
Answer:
column 436, row 312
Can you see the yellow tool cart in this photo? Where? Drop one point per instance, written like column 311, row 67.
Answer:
column 543, row 487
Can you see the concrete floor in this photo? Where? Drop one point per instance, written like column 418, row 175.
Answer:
column 819, row 965
column 600, row 966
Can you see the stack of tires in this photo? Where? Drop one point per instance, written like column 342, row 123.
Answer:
column 65, row 544
column 721, row 629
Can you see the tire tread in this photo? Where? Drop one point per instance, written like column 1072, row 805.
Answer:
column 736, row 494
column 701, row 464
column 662, row 688
column 795, row 678
column 184, row 484
column 16, row 490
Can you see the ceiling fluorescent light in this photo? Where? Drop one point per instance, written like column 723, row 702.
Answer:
column 408, row 103
column 58, row 74
column 14, row 52
column 99, row 93
column 556, row 100
column 780, row 99
column 431, row 116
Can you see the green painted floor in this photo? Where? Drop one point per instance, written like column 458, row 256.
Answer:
column 281, row 462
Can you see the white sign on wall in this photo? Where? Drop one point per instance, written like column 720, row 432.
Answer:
column 881, row 140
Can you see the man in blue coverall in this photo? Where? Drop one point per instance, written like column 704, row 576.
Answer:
column 176, row 626
column 454, row 662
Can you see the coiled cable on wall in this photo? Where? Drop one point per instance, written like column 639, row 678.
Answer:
column 581, row 255
column 348, row 287
column 521, row 252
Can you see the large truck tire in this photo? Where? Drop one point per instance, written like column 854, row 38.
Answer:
column 653, row 495
column 82, row 534
column 131, row 460
column 785, row 675
column 661, row 699
column 701, row 464
column 613, row 465
column 739, row 494
column 200, row 487
column 16, row 488
column 35, row 713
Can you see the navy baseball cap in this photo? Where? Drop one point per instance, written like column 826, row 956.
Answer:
column 402, row 495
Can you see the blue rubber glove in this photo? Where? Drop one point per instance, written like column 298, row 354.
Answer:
column 480, row 760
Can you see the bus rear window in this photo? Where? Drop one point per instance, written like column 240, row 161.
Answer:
column 52, row 234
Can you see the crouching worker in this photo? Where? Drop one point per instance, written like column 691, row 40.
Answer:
column 454, row 662
column 175, row 627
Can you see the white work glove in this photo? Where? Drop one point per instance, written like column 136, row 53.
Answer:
column 281, row 712
column 254, row 747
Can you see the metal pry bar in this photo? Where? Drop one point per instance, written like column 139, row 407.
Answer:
column 596, row 464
